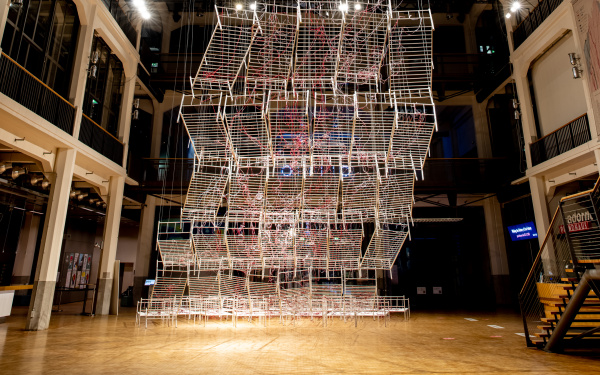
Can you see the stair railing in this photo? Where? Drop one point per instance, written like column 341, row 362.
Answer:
column 573, row 238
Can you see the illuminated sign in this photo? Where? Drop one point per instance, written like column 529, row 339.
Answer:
column 525, row 231
column 577, row 222
column 150, row 282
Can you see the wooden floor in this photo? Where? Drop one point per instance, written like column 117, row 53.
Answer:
column 429, row 343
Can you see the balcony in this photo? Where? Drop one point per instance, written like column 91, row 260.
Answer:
column 563, row 139
column 533, row 20
column 26, row 89
column 100, row 140
column 122, row 20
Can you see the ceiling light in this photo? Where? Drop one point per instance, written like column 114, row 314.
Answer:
column 5, row 166
column 516, row 5
column 45, row 183
column 357, row 6
column 145, row 14
column 35, row 179
column 74, row 193
column 238, row 6
column 253, row 6
column 507, row 15
column 16, row 172
column 81, row 196
column 343, row 7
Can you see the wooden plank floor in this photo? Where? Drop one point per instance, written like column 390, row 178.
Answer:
column 429, row 343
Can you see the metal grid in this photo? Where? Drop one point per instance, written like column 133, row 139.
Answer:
column 359, row 188
column 226, row 51
column 396, row 197
column 204, row 196
column 334, row 117
column 289, row 124
column 176, row 252
column 204, row 123
column 247, row 126
column 384, row 247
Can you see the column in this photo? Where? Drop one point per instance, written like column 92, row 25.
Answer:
column 4, row 8
column 26, row 249
column 81, row 64
column 526, row 108
column 497, row 250
column 542, row 221
column 110, row 239
column 125, row 114
column 42, row 297
column 144, row 247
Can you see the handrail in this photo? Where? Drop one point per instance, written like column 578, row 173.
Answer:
column 37, row 79
column 539, row 254
column 104, row 130
column 565, row 125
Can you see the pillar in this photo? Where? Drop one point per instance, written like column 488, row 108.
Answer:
column 144, row 247
column 125, row 114
column 4, row 8
column 42, row 297
column 497, row 250
column 542, row 221
column 110, row 239
column 81, row 64
column 526, row 108
column 26, row 249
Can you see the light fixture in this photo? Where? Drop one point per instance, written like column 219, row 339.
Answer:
column 141, row 7
column 357, row 6
column 136, row 104
column 576, row 62
column 81, row 196
column 517, row 114
column 507, row 15
column 253, row 6
column 238, row 6
column 17, row 171
column 515, row 103
column 34, row 179
column 74, row 193
column 5, row 166
column 516, row 5
column 343, row 7
column 16, row 4
column 45, row 183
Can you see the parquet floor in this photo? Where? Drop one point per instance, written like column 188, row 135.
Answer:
column 429, row 343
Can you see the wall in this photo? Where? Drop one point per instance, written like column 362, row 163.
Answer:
column 559, row 97
column 126, row 251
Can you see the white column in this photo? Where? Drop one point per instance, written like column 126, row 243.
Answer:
column 81, row 64
column 482, row 131
column 540, row 206
column 40, row 308
column 26, row 249
column 526, row 107
column 110, row 239
column 4, row 8
column 125, row 114
column 144, row 247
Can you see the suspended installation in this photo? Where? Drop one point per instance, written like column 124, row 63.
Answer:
column 310, row 123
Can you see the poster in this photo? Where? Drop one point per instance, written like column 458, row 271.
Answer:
column 69, row 261
column 88, row 270
column 587, row 15
column 73, row 279
column 83, row 280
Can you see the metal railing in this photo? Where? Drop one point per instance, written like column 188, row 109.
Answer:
column 567, row 137
column 100, row 140
column 122, row 20
column 26, row 89
column 533, row 20
column 570, row 240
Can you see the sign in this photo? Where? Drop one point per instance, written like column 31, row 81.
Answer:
column 576, row 227
column 525, row 231
column 150, row 282
column 421, row 290
column 437, row 290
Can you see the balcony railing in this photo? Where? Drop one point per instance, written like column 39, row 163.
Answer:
column 533, row 20
column 100, row 140
column 26, row 89
column 563, row 139
column 122, row 20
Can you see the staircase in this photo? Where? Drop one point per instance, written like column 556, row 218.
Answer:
column 559, row 300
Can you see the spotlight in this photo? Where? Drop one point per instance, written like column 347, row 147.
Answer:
column 18, row 171
column 238, row 6
column 253, row 6
column 34, row 179
column 145, row 14
column 103, row 205
column 573, row 59
column 5, row 166
column 516, row 5
column 577, row 72
column 81, row 196
column 74, row 193
column 449, row 16
column 45, row 183
column 507, row 15
column 16, row 4
column 357, row 6
column 99, row 203
column 343, row 7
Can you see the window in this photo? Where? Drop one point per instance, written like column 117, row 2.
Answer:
column 41, row 36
